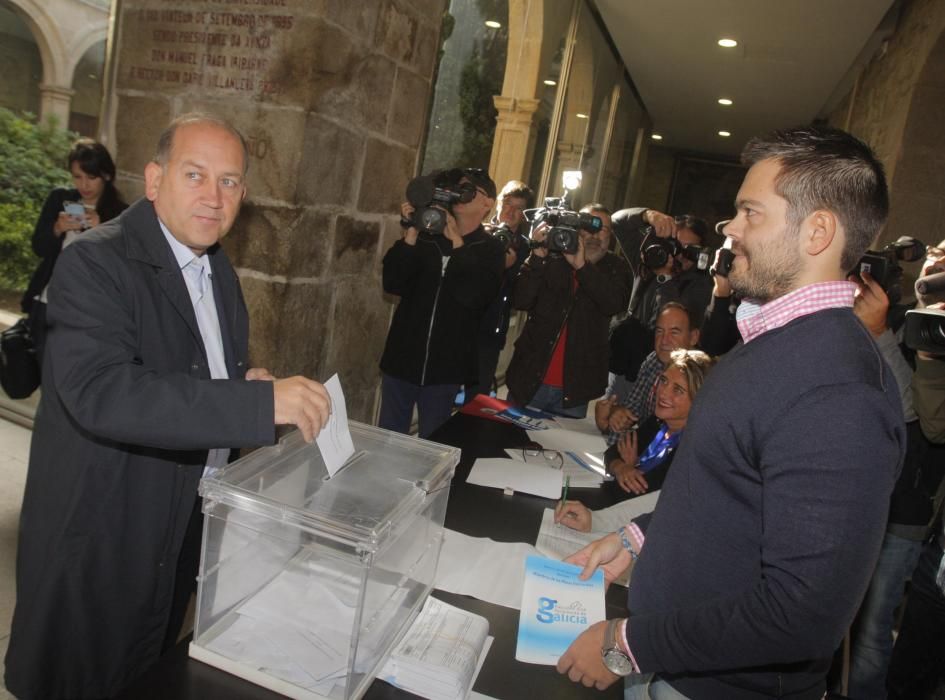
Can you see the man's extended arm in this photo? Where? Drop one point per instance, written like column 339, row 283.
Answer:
column 104, row 384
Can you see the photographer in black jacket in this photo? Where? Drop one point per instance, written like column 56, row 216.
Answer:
column 445, row 282
column 561, row 357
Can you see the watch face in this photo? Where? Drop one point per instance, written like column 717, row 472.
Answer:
column 617, row 662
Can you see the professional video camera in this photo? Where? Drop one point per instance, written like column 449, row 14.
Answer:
column 564, row 223
column 657, row 252
column 925, row 330
column 433, row 195
column 883, row 265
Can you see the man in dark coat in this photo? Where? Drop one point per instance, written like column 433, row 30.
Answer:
column 140, row 394
column 561, row 357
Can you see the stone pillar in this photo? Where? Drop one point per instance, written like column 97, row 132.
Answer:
column 514, row 141
column 332, row 98
column 55, row 101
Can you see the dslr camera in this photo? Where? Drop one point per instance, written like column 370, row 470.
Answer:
column 503, row 233
column 432, row 196
column 656, row 252
column 883, row 265
column 564, row 224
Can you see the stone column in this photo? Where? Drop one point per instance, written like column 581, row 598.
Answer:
column 55, row 101
column 514, row 138
column 332, row 97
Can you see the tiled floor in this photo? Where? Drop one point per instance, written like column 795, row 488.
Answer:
column 14, row 453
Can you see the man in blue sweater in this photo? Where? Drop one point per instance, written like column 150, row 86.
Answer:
column 768, row 528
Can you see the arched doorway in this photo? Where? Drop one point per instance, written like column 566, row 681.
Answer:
column 917, row 195
column 21, row 64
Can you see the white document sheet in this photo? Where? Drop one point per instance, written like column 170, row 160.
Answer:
column 483, row 568
column 537, row 480
column 334, row 440
column 571, row 441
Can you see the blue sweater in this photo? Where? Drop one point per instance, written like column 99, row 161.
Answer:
column 770, row 522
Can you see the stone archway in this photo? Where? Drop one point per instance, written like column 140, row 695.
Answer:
column 917, row 195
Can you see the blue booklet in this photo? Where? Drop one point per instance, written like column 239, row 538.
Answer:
column 556, row 607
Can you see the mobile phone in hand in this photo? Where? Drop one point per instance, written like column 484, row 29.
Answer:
column 77, row 211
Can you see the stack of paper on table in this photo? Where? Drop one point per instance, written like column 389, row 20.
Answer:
column 441, row 654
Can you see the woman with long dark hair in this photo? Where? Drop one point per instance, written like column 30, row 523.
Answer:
column 66, row 214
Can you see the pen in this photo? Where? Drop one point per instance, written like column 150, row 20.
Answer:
column 564, row 490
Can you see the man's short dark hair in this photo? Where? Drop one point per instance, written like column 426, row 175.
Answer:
column 695, row 224
column 826, row 168
column 166, row 139
column 517, row 188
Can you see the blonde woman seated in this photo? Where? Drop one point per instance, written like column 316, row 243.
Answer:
column 637, row 473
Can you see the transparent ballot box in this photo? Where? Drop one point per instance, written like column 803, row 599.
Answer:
column 306, row 583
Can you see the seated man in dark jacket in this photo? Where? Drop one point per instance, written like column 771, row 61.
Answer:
column 561, row 357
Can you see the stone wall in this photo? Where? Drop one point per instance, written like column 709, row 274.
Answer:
column 896, row 107
column 331, row 95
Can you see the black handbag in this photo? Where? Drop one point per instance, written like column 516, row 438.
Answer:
column 19, row 367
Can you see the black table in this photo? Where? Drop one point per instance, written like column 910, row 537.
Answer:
column 477, row 511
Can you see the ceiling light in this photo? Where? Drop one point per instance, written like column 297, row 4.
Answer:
column 725, row 133
column 656, row 137
column 728, row 43
column 580, row 116
column 725, row 101
column 550, row 82
column 492, row 23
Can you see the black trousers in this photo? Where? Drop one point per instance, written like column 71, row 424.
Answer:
column 185, row 579
column 918, row 660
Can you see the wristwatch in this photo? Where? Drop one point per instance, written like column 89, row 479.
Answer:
column 615, row 659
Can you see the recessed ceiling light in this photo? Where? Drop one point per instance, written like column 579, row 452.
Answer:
column 728, row 43
column 725, row 101
column 656, row 137
column 580, row 116
column 492, row 23
column 725, row 133
column 550, row 82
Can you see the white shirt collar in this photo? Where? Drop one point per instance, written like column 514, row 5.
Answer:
column 182, row 253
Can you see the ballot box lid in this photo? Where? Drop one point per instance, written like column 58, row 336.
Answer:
column 389, row 479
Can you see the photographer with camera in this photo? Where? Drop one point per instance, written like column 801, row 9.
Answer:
column 511, row 228
column 446, row 270
column 669, row 261
column 918, row 658
column 570, row 293
column 669, row 258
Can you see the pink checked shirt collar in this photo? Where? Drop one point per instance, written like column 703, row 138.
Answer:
column 754, row 319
